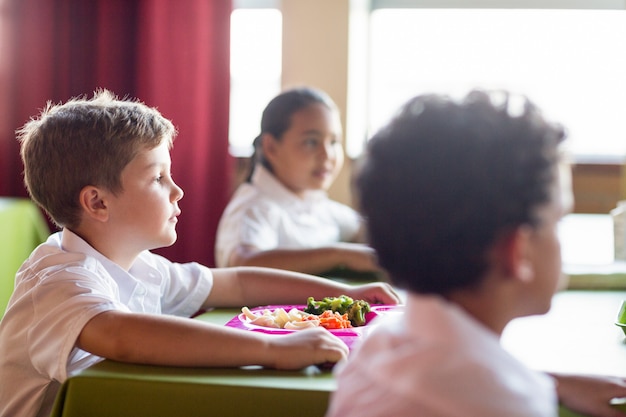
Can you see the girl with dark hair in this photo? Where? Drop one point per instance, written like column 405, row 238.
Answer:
column 281, row 216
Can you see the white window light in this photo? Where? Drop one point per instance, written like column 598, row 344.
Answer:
column 570, row 61
column 255, row 69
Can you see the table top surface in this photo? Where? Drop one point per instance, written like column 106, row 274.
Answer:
column 578, row 335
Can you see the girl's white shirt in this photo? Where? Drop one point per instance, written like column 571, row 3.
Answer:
column 265, row 215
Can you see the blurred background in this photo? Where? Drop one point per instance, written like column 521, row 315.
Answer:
column 211, row 66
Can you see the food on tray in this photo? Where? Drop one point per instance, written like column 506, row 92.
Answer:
column 339, row 304
column 293, row 319
column 332, row 313
column 332, row 320
column 343, row 304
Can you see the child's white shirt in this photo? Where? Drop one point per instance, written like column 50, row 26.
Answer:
column 265, row 215
column 437, row 361
column 64, row 283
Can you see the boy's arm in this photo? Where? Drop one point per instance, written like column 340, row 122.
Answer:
column 354, row 256
column 167, row 340
column 590, row 394
column 254, row 286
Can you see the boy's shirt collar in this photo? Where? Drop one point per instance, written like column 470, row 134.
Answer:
column 135, row 284
column 71, row 242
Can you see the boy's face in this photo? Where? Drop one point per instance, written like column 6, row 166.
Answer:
column 144, row 214
column 545, row 244
column 309, row 155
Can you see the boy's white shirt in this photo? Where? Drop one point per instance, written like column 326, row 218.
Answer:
column 434, row 361
column 266, row 215
column 64, row 283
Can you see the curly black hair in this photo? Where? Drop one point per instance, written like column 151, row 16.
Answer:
column 444, row 179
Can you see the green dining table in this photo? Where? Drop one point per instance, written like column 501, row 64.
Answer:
column 590, row 342
column 23, row 228
column 116, row 389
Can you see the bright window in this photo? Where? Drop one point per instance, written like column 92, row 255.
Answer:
column 255, row 71
column 572, row 63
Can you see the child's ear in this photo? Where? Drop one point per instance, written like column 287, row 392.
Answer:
column 93, row 202
column 268, row 146
column 515, row 253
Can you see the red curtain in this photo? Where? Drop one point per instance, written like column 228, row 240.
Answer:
column 168, row 53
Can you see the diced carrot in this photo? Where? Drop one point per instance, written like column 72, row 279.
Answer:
column 333, row 320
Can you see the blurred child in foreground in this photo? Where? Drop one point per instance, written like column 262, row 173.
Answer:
column 463, row 199
column 101, row 169
column 281, row 216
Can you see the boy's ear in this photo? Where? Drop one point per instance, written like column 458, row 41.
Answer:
column 93, row 202
column 515, row 252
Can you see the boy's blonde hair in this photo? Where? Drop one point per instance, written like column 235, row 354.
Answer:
column 85, row 142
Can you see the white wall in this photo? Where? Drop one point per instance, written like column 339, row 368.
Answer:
column 315, row 53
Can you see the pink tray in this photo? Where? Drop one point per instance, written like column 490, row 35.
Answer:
column 348, row 336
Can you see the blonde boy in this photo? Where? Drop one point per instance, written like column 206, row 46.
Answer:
column 101, row 170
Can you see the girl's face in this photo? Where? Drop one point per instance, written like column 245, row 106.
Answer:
column 309, row 155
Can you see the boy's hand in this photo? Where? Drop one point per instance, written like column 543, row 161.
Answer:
column 375, row 293
column 590, row 395
column 306, row 347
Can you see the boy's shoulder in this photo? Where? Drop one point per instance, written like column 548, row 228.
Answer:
column 50, row 256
